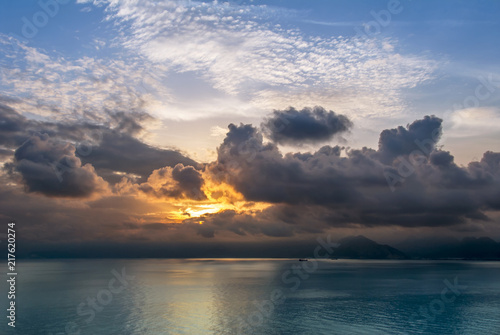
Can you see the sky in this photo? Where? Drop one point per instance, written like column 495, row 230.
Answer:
column 193, row 127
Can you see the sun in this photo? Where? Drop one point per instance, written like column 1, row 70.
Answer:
column 219, row 197
column 198, row 211
column 206, row 209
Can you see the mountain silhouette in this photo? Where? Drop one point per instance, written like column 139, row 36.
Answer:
column 451, row 248
column 360, row 247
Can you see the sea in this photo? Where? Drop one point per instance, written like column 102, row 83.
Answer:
column 252, row 296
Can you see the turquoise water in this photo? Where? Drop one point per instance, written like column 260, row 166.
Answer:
column 223, row 296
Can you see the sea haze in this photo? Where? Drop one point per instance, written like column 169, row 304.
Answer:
column 233, row 296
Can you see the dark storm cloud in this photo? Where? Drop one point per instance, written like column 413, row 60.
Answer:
column 108, row 147
column 309, row 192
column 103, row 228
column 308, row 125
column 179, row 182
column 421, row 135
column 13, row 127
column 54, row 220
column 353, row 188
column 125, row 153
column 51, row 168
column 6, row 153
column 189, row 181
column 262, row 173
column 130, row 122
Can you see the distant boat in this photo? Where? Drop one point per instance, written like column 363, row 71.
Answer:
column 303, row 259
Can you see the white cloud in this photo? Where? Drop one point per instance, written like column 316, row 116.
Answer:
column 217, row 131
column 244, row 52
column 474, row 122
column 244, row 61
column 55, row 87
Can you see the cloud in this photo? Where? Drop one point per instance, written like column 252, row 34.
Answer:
column 178, row 182
column 419, row 135
column 79, row 138
column 49, row 85
column 110, row 147
column 308, row 125
column 352, row 189
column 473, row 122
column 189, row 181
column 6, row 153
column 262, row 173
column 245, row 51
column 305, row 193
column 234, row 58
column 13, row 127
column 51, row 168
column 120, row 152
column 261, row 223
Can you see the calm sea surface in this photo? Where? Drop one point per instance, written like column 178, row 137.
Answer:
column 249, row 296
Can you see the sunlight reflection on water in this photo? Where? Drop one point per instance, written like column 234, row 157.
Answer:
column 202, row 296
